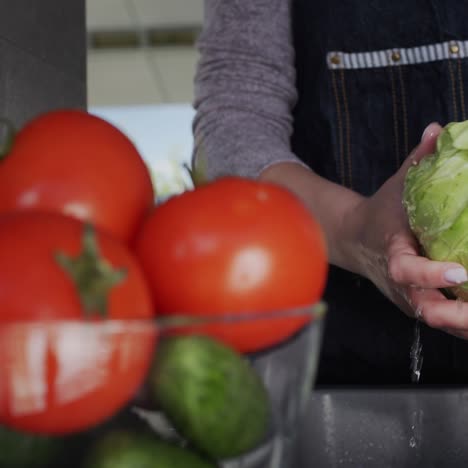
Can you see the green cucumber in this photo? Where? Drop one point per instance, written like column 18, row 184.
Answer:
column 20, row 450
column 211, row 395
column 126, row 449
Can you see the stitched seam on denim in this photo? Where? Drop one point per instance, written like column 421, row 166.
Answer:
column 461, row 89
column 406, row 56
column 454, row 92
column 395, row 117
column 405, row 113
column 340, row 128
column 348, row 130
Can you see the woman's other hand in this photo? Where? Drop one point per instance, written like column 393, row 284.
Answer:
column 388, row 254
column 371, row 236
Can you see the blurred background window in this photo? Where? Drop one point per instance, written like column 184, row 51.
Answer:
column 141, row 64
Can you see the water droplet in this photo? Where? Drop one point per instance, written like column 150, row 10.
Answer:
column 416, row 356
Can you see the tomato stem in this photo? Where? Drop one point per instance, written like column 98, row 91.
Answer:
column 93, row 276
column 196, row 176
column 7, row 136
column 198, row 170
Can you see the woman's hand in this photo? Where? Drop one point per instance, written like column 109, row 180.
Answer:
column 371, row 237
column 388, row 254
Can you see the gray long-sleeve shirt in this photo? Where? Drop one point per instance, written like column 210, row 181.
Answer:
column 244, row 87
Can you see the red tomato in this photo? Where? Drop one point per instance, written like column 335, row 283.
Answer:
column 78, row 164
column 63, row 365
column 235, row 246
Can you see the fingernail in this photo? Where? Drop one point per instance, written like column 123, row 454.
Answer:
column 429, row 130
column 456, row 275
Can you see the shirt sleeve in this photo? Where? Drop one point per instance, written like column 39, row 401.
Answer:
column 244, row 88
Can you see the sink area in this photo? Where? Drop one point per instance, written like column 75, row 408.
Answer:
column 402, row 427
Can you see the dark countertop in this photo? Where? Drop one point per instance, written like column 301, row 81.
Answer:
column 417, row 427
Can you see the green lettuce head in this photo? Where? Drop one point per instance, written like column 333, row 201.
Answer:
column 435, row 198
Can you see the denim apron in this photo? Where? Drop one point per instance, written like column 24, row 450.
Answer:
column 370, row 76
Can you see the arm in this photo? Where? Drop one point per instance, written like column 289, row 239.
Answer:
column 371, row 236
column 245, row 91
column 244, row 87
column 338, row 232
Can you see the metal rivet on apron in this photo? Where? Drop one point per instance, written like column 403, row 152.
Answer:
column 396, row 57
column 454, row 48
column 335, row 59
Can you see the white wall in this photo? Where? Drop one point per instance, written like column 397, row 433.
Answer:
column 111, row 14
column 141, row 76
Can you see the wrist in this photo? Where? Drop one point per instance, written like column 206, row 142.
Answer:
column 350, row 251
column 338, row 210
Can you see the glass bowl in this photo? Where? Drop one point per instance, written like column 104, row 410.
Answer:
column 66, row 386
